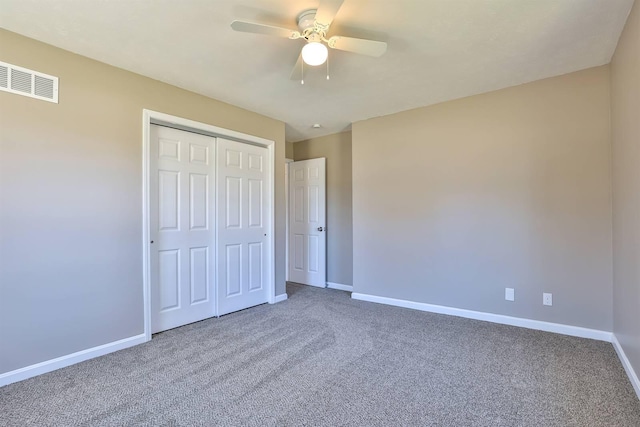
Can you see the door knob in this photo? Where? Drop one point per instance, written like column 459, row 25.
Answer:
column 320, row 228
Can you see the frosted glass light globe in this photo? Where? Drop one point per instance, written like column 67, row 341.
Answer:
column 314, row 53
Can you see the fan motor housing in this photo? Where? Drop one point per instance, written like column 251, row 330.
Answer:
column 307, row 19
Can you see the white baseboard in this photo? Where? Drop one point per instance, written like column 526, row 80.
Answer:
column 558, row 328
column 280, row 298
column 633, row 377
column 69, row 359
column 340, row 286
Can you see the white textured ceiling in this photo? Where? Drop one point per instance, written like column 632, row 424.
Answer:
column 437, row 49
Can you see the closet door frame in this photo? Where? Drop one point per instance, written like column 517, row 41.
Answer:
column 150, row 117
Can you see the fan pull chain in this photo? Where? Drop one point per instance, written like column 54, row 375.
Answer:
column 302, row 72
column 327, row 67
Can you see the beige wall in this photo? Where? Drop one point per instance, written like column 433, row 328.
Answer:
column 454, row 202
column 289, row 150
column 625, row 124
column 71, row 200
column 336, row 149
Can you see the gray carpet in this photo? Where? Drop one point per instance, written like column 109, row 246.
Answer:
column 321, row 358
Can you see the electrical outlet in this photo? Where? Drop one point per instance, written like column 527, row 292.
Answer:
column 547, row 299
column 509, row 294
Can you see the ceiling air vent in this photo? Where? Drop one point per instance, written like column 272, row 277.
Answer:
column 26, row 82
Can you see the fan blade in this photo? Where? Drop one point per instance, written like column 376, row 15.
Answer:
column 327, row 11
column 296, row 73
column 269, row 30
column 361, row 46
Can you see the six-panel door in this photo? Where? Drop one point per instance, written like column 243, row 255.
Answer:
column 209, row 219
column 182, row 221
column 243, row 252
column 307, row 235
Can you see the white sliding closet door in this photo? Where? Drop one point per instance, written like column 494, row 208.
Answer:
column 243, row 194
column 182, row 224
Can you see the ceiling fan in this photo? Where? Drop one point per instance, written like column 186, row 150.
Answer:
column 313, row 26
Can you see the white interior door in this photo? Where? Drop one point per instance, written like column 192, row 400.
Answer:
column 307, row 223
column 243, row 224
column 182, row 215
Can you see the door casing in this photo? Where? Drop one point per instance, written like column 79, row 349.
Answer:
column 286, row 215
column 150, row 117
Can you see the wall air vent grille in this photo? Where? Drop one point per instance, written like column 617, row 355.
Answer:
column 43, row 86
column 23, row 81
column 4, row 77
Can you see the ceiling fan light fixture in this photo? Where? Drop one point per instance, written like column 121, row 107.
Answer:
column 314, row 53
